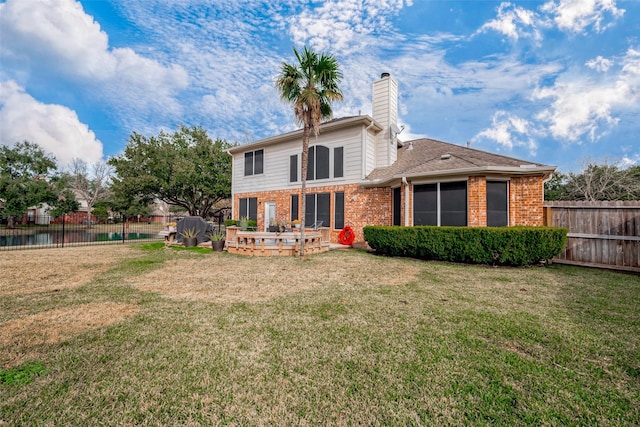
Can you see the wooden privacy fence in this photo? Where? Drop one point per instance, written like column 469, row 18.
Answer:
column 601, row 234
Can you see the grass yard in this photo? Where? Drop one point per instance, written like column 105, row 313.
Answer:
column 142, row 335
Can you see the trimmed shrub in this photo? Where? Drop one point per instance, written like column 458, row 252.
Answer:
column 230, row 222
column 473, row 245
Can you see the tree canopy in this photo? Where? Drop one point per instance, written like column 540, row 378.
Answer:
column 310, row 85
column 28, row 178
column 595, row 182
column 185, row 168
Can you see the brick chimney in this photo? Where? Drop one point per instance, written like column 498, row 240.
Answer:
column 385, row 112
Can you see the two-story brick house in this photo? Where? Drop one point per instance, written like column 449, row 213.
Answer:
column 360, row 174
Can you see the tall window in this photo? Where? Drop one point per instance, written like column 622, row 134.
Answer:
column 453, row 203
column 318, row 167
column 319, row 164
column 396, row 206
column 497, row 203
column 249, row 208
column 318, row 209
column 442, row 203
column 425, row 204
column 253, row 162
column 338, row 211
column 338, row 163
column 294, row 207
column 293, row 168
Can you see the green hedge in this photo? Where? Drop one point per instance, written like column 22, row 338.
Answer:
column 474, row 245
column 251, row 223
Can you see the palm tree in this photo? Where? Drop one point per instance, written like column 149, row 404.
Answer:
column 310, row 85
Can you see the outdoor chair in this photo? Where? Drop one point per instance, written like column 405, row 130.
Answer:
column 316, row 225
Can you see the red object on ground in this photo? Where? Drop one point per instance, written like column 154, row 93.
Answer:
column 347, row 236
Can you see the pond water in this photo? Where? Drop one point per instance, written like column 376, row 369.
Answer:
column 57, row 238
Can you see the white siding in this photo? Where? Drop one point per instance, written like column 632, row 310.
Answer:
column 385, row 112
column 370, row 151
column 276, row 162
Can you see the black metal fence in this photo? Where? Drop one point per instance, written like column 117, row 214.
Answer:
column 45, row 232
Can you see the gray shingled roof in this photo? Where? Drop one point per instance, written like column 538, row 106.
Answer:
column 425, row 157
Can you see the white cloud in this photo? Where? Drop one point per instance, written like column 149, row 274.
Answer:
column 59, row 32
column 576, row 15
column 582, row 107
column 573, row 16
column 59, row 37
column 345, row 25
column 629, row 160
column 55, row 128
column 510, row 131
column 514, row 22
column 599, row 64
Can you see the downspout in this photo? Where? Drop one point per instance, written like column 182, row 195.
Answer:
column 406, row 201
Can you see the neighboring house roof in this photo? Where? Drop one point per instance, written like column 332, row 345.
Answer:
column 334, row 124
column 429, row 157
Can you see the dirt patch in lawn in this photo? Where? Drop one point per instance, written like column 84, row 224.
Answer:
column 47, row 270
column 226, row 278
column 19, row 337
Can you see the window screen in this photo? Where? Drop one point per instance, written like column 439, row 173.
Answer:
column 425, row 204
column 293, row 168
column 248, row 164
column 497, row 204
column 311, row 165
column 258, row 162
column 322, row 162
column 453, row 203
column 338, row 211
column 294, row 207
column 310, row 209
column 396, row 206
column 253, row 162
column 323, row 209
column 318, row 209
column 249, row 208
column 338, row 162
column 318, row 167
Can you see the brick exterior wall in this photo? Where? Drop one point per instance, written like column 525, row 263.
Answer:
column 477, row 201
column 526, row 197
column 374, row 206
column 362, row 206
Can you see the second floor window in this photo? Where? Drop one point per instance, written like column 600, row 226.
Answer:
column 319, row 166
column 253, row 162
column 318, row 163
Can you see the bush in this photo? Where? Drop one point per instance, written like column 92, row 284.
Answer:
column 473, row 245
column 242, row 222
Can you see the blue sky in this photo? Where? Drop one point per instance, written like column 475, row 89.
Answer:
column 555, row 82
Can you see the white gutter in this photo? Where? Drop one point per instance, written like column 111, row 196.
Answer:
column 503, row 170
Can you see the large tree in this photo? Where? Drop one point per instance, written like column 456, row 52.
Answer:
column 310, row 85
column 27, row 178
column 90, row 182
column 596, row 181
column 184, row 168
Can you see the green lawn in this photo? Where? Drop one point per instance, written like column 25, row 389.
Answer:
column 342, row 338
